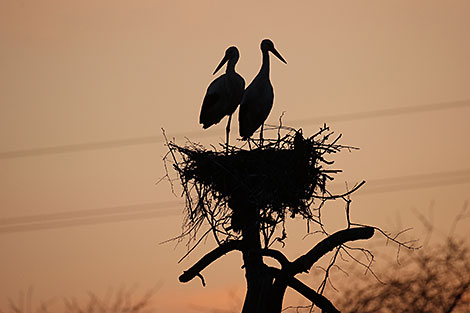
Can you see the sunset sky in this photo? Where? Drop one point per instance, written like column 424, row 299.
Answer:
column 86, row 86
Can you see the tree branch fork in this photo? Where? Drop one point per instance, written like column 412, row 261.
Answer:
column 288, row 269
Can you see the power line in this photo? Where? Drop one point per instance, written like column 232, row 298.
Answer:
column 386, row 112
column 115, row 210
column 85, row 221
column 88, row 217
column 99, row 145
column 412, row 182
column 162, row 209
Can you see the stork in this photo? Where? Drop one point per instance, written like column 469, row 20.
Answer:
column 258, row 98
column 224, row 94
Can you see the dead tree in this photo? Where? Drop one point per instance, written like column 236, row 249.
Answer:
column 243, row 198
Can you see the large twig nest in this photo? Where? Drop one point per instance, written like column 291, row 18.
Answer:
column 283, row 175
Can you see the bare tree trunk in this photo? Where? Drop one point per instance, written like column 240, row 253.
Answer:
column 259, row 281
column 277, row 295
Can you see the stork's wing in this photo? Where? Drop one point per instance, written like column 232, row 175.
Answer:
column 214, row 104
column 255, row 107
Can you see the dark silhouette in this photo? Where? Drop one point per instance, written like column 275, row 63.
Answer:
column 258, row 99
column 243, row 198
column 434, row 280
column 223, row 94
column 122, row 300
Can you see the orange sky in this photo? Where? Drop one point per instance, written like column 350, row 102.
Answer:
column 75, row 72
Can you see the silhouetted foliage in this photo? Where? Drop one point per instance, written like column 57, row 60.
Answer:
column 122, row 301
column 432, row 280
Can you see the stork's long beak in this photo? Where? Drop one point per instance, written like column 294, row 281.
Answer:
column 224, row 60
column 279, row 56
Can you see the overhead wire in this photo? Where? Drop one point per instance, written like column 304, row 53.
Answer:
column 122, row 209
column 145, row 140
column 89, row 217
column 167, row 208
column 154, row 210
column 413, row 182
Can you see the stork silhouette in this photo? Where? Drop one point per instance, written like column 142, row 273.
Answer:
column 224, row 94
column 258, row 98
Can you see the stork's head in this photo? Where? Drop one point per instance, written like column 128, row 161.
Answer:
column 230, row 54
column 268, row 45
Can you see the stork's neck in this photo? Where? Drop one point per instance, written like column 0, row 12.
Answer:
column 231, row 65
column 265, row 66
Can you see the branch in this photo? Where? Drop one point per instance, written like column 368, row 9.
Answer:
column 207, row 259
column 306, row 261
column 317, row 299
column 278, row 255
column 331, row 197
column 458, row 297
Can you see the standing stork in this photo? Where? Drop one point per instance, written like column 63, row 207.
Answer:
column 258, row 98
column 224, row 94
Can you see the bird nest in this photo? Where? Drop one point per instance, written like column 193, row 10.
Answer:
column 278, row 178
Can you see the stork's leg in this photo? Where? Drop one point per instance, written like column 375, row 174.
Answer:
column 261, row 135
column 227, row 132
